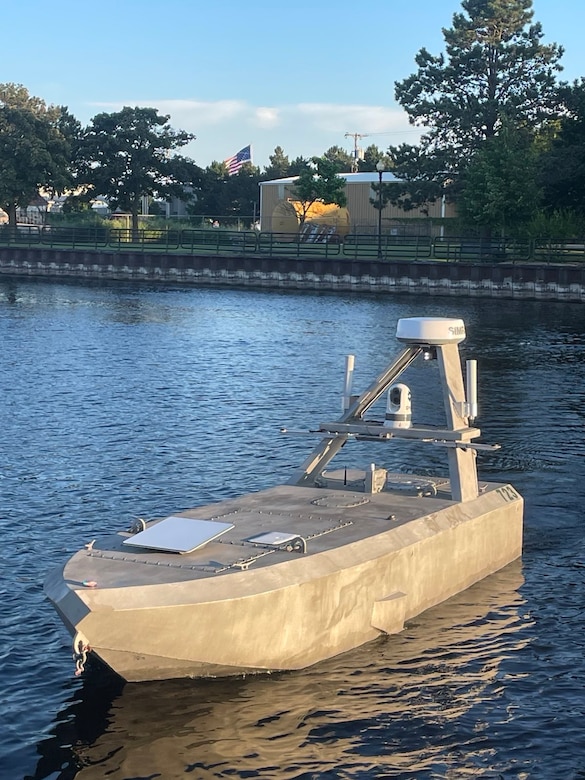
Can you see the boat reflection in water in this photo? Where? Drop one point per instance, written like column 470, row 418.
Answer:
column 393, row 706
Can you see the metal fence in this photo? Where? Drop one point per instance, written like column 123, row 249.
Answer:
column 251, row 242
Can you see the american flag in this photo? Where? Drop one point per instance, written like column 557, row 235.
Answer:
column 235, row 163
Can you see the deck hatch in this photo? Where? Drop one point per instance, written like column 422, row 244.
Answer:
column 178, row 534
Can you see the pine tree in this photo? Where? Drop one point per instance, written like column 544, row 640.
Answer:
column 495, row 70
column 279, row 165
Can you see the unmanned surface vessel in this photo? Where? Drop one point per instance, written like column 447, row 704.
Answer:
column 286, row 577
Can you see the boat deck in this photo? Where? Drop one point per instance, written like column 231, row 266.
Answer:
column 322, row 518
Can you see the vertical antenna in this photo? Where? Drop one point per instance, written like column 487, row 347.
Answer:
column 471, row 383
column 348, row 381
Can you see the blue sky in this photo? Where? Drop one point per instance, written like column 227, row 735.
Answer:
column 298, row 74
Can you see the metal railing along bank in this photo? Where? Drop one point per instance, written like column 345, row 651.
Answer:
column 251, row 242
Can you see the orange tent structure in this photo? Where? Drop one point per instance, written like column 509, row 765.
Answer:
column 322, row 220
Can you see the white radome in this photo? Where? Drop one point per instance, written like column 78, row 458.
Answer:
column 430, row 330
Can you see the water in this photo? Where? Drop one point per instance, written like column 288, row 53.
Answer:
column 122, row 400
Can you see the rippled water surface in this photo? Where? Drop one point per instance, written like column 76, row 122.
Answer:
column 123, row 400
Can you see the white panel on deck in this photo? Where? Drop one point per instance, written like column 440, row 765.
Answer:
column 178, row 534
column 273, row 538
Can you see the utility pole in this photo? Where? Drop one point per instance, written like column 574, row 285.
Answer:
column 355, row 137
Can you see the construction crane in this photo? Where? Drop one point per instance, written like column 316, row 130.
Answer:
column 355, row 137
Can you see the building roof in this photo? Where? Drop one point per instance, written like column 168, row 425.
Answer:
column 352, row 178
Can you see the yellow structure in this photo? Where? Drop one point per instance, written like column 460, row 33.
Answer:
column 320, row 219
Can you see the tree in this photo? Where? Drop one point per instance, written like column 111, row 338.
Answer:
column 500, row 188
column 298, row 165
column 563, row 164
column 36, row 148
column 244, row 192
column 212, row 195
column 496, row 69
column 279, row 165
column 128, row 155
column 222, row 195
column 340, row 158
column 372, row 155
column 319, row 182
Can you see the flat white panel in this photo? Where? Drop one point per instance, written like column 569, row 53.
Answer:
column 275, row 538
column 178, row 534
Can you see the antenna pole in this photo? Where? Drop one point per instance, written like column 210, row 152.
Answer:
column 355, row 137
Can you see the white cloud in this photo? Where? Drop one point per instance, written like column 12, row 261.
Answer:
column 203, row 113
column 355, row 118
column 267, row 117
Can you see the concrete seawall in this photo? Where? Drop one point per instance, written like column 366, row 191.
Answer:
column 531, row 281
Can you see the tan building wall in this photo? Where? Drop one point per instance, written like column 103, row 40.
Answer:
column 363, row 215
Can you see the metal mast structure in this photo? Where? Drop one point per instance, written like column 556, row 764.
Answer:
column 355, row 137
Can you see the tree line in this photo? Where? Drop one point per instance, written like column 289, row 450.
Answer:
column 502, row 137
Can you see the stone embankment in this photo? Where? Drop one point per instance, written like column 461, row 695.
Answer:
column 536, row 281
